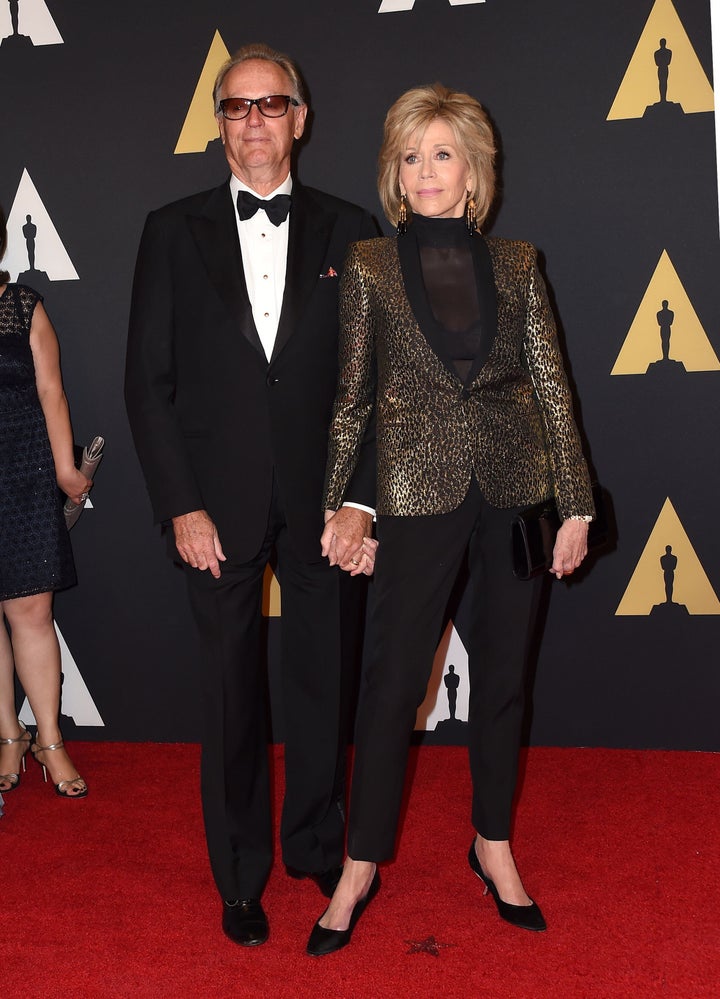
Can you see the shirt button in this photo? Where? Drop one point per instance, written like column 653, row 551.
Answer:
column 266, row 314
column 265, row 277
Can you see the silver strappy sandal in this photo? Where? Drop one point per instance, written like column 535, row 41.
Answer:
column 13, row 780
column 61, row 786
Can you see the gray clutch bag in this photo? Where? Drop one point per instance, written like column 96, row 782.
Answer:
column 89, row 461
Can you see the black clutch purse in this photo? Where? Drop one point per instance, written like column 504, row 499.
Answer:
column 534, row 532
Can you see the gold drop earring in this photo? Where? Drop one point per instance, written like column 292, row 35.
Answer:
column 402, row 217
column 470, row 215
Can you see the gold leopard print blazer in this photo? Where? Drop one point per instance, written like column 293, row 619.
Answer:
column 513, row 426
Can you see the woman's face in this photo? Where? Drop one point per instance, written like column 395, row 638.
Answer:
column 434, row 175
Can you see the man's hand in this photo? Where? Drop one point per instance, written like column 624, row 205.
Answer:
column 346, row 540
column 197, row 541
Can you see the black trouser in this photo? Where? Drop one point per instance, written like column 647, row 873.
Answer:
column 234, row 770
column 417, row 563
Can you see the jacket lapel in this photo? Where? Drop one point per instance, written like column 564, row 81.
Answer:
column 487, row 300
column 485, row 277
column 215, row 233
column 414, row 292
column 308, row 238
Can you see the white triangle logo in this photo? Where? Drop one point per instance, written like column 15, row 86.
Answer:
column 391, row 6
column 76, row 700
column 30, row 19
column 33, row 241
column 435, row 708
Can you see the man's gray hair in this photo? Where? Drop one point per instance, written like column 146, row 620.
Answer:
column 257, row 50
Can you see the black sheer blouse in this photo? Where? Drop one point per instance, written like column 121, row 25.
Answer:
column 448, row 277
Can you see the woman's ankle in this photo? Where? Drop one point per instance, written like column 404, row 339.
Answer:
column 49, row 736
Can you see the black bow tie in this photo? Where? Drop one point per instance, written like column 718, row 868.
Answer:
column 276, row 208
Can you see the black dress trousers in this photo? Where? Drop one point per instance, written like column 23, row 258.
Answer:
column 234, row 769
column 418, row 561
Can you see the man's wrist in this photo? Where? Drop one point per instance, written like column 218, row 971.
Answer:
column 361, row 506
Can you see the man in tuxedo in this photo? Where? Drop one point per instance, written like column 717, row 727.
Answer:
column 231, row 375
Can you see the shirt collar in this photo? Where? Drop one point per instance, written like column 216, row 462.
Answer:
column 237, row 185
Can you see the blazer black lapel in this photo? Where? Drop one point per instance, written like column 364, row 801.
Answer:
column 485, row 277
column 414, row 289
column 409, row 258
column 215, row 235
column 310, row 229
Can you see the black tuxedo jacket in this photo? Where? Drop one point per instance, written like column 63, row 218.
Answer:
column 212, row 420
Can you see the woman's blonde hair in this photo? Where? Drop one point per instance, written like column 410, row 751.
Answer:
column 413, row 112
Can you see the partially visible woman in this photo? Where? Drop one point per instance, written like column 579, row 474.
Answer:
column 36, row 456
column 451, row 336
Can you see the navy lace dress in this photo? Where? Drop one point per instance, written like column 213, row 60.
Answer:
column 35, row 552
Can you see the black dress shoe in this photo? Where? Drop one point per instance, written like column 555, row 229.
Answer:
column 526, row 917
column 324, row 941
column 327, row 881
column 244, row 922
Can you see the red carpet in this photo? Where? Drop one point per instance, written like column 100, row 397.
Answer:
column 112, row 896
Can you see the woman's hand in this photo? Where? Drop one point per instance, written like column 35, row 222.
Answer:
column 363, row 561
column 570, row 548
column 75, row 485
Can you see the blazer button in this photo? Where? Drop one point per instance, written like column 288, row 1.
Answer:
column 271, row 380
column 465, row 394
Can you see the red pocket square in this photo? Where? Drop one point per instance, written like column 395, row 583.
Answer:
column 331, row 273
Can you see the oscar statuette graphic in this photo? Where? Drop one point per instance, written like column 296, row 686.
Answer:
column 666, row 337
column 664, row 80
column 25, row 24
column 445, row 708
column 669, row 581
column 35, row 255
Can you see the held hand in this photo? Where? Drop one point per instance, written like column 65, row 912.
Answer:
column 570, row 548
column 363, row 560
column 197, row 541
column 342, row 540
column 75, row 485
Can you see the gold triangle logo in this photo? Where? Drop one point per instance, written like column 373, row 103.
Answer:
column 271, row 594
column 664, row 74
column 200, row 126
column 669, row 582
column 666, row 332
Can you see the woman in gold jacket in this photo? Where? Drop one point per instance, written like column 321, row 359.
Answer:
column 449, row 338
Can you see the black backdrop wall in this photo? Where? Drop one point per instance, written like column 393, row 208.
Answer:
column 621, row 201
